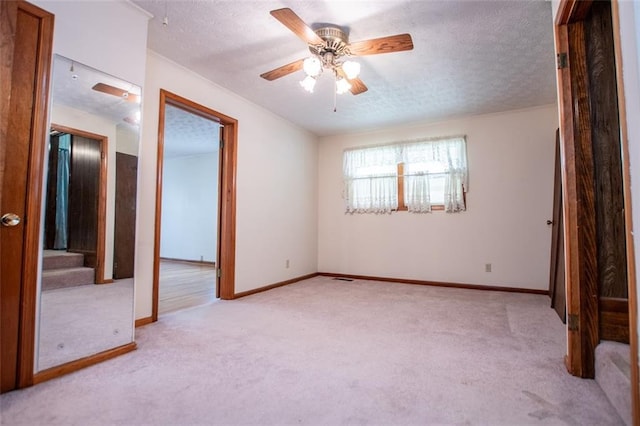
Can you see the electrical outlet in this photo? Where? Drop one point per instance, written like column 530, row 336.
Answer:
column 286, row 263
column 487, row 267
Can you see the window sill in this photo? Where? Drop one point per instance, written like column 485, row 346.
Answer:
column 434, row 208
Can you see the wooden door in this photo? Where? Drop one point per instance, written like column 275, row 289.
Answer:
column 609, row 199
column 125, row 216
column 557, row 286
column 27, row 34
column 84, row 194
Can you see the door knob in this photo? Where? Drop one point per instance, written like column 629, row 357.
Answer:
column 10, row 219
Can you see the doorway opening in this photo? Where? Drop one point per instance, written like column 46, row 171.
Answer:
column 195, row 206
column 75, row 209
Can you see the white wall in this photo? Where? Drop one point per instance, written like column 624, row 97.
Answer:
column 128, row 139
column 555, row 5
column 276, row 217
column 190, row 207
column 630, row 46
column 511, row 167
column 110, row 36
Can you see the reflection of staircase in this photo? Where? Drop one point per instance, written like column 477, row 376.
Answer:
column 61, row 269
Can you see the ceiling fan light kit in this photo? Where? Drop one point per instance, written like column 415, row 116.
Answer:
column 342, row 86
column 328, row 46
column 308, row 83
column 312, row 66
column 327, row 56
column 351, row 69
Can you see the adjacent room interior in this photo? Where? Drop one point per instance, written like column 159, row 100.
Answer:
column 189, row 216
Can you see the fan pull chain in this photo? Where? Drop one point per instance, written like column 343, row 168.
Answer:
column 335, row 95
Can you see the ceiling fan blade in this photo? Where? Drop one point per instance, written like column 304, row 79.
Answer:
column 289, row 19
column 375, row 46
column 115, row 91
column 357, row 86
column 283, row 70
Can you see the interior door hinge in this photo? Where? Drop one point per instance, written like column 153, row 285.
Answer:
column 561, row 60
column 219, row 273
column 221, row 144
column 573, row 322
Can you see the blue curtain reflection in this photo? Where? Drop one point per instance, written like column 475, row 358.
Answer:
column 62, row 193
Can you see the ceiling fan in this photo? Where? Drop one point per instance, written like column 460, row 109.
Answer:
column 116, row 91
column 125, row 95
column 329, row 46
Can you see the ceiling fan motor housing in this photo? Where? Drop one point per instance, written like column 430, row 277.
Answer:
column 335, row 42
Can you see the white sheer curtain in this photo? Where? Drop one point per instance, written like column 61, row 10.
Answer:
column 371, row 181
column 435, row 167
column 435, row 173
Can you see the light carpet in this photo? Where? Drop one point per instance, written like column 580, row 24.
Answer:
column 330, row 352
column 79, row 321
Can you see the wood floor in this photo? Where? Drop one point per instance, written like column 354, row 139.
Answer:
column 185, row 284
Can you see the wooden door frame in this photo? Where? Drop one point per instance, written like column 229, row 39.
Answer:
column 101, row 223
column 39, row 131
column 222, row 137
column 582, row 288
column 225, row 283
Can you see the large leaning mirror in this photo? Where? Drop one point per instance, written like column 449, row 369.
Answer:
column 86, row 287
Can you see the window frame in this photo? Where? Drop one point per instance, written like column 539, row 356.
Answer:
column 408, row 163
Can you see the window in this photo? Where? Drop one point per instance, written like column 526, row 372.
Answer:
column 418, row 176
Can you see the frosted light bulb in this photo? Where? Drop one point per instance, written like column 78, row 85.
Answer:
column 342, row 86
column 351, row 69
column 308, row 83
column 312, row 66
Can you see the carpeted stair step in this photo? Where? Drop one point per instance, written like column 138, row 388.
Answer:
column 613, row 374
column 67, row 277
column 61, row 259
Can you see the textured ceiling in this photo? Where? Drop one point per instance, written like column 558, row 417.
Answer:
column 188, row 134
column 469, row 57
column 72, row 87
column 185, row 133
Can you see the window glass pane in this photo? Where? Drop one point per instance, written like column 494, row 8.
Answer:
column 434, row 187
column 432, row 166
column 436, row 184
column 369, row 171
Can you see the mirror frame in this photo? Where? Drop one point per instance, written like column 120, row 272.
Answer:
column 102, row 226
